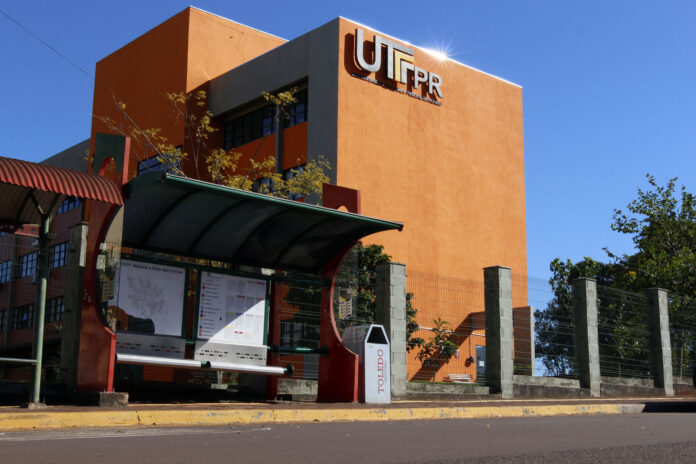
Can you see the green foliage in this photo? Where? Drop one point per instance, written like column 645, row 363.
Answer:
column 662, row 225
column 358, row 272
column 439, row 349
column 411, row 325
column 221, row 166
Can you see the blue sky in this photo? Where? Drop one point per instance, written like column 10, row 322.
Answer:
column 609, row 87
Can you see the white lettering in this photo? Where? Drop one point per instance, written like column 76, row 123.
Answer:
column 403, row 63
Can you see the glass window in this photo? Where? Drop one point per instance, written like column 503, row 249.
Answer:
column 59, row 255
column 5, row 271
column 27, row 264
column 24, row 317
column 289, row 174
column 55, row 309
column 297, row 112
column 249, row 127
column 68, row 204
column 150, row 164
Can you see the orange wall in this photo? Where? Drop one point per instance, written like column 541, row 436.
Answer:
column 217, row 45
column 454, row 174
column 295, row 146
column 181, row 54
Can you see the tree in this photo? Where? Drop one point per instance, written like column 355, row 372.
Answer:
column 357, row 274
column 219, row 166
column 663, row 229
column 439, row 349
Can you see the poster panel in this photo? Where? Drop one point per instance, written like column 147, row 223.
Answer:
column 150, row 298
column 232, row 309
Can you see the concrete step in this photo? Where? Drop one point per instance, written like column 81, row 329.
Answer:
column 445, row 391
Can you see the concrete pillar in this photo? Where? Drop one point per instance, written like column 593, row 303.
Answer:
column 74, row 283
column 499, row 334
column 660, row 344
column 390, row 311
column 586, row 336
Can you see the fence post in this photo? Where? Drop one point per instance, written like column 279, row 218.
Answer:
column 499, row 335
column 660, row 344
column 586, row 335
column 70, row 336
column 390, row 311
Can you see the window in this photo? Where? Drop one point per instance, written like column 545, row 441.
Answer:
column 150, row 164
column 154, row 164
column 5, row 271
column 55, row 309
column 261, row 122
column 27, row 264
column 3, row 320
column 59, row 255
column 68, row 204
column 251, row 126
column 289, row 174
column 24, row 317
column 297, row 112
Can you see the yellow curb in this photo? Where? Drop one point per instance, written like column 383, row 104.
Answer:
column 132, row 418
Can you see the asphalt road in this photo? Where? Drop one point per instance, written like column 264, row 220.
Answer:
column 615, row 439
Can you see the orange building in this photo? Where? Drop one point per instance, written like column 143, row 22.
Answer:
column 427, row 141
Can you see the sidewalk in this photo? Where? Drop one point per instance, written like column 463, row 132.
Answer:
column 207, row 414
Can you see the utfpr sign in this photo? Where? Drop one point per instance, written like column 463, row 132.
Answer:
column 399, row 63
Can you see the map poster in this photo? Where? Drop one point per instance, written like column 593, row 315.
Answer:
column 232, row 309
column 150, row 298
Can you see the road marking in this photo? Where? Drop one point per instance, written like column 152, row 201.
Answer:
column 121, row 433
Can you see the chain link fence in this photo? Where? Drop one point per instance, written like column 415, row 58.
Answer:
column 624, row 337
column 19, row 305
column 682, row 331
column 451, row 316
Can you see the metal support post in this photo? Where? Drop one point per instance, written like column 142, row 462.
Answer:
column 39, row 316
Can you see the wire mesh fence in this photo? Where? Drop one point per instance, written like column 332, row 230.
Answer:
column 300, row 318
column 543, row 330
column 682, row 331
column 451, row 317
column 19, row 305
column 624, row 337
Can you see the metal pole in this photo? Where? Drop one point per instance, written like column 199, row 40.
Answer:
column 42, row 270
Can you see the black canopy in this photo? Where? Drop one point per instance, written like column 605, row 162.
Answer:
column 188, row 217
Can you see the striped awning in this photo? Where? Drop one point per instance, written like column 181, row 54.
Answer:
column 25, row 185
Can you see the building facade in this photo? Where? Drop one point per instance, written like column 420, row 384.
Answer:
column 433, row 143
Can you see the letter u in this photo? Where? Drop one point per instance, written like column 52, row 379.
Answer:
column 360, row 55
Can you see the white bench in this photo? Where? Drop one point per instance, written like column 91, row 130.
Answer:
column 459, row 378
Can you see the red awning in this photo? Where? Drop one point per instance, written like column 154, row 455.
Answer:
column 23, row 183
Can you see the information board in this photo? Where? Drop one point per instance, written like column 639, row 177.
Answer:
column 150, row 298
column 232, row 309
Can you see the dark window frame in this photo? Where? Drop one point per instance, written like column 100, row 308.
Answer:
column 27, row 264
column 24, row 317
column 55, row 308
column 5, row 272
column 59, row 255
column 68, row 204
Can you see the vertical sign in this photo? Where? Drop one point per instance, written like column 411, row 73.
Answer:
column 232, row 309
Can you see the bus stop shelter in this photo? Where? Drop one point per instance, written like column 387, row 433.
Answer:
column 199, row 220
column 30, row 193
